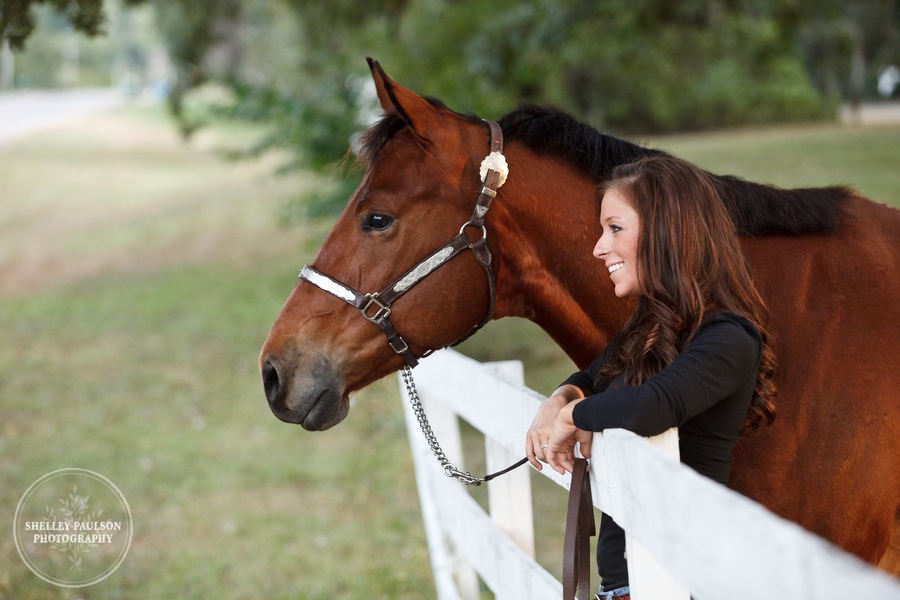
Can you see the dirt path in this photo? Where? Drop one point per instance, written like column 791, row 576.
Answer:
column 24, row 113
column 872, row 114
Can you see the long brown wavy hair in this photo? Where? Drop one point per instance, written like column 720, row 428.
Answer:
column 690, row 266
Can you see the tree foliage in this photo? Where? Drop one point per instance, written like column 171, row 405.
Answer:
column 17, row 20
column 627, row 65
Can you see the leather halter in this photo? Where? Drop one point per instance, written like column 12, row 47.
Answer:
column 375, row 307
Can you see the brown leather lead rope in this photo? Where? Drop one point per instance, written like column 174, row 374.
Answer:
column 579, row 530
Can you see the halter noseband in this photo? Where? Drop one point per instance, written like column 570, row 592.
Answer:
column 376, row 307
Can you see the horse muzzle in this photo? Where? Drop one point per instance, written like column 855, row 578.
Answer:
column 316, row 403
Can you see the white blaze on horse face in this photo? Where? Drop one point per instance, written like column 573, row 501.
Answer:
column 617, row 246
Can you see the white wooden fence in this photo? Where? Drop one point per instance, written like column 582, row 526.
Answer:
column 686, row 535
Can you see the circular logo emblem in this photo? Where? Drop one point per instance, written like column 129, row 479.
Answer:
column 73, row 527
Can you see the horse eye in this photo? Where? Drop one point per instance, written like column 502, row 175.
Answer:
column 377, row 222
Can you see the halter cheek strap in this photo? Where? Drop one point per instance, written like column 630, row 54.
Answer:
column 376, row 307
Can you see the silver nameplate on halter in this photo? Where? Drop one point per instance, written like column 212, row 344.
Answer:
column 326, row 283
column 423, row 268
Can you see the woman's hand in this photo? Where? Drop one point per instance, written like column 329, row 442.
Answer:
column 538, row 435
column 560, row 454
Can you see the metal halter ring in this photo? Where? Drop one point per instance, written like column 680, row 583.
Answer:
column 470, row 224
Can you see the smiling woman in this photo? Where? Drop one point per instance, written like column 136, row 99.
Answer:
column 693, row 355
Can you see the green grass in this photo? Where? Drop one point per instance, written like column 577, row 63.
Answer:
column 138, row 279
column 864, row 158
column 132, row 317
column 152, row 382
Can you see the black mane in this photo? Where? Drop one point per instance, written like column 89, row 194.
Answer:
column 756, row 209
column 551, row 132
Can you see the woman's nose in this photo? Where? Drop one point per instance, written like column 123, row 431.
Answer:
column 600, row 249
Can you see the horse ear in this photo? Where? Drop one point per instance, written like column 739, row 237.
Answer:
column 418, row 113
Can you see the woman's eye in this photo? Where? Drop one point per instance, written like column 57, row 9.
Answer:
column 377, row 222
column 615, row 228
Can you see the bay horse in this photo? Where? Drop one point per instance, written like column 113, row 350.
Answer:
column 826, row 260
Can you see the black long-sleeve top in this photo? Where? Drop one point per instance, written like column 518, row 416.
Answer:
column 705, row 392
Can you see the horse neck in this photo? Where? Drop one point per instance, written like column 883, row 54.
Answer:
column 545, row 222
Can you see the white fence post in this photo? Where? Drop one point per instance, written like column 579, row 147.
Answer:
column 693, row 533
column 509, row 496
column 454, row 576
column 648, row 579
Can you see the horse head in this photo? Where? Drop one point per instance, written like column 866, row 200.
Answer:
column 418, row 194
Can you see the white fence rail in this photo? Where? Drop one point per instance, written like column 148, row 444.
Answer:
column 687, row 536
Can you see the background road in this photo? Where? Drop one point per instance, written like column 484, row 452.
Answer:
column 29, row 111
column 25, row 112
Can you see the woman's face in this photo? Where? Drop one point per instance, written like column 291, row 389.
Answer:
column 617, row 246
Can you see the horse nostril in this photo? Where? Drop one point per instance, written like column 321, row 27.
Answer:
column 271, row 382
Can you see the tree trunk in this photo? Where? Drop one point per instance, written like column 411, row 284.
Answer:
column 7, row 67
column 857, row 73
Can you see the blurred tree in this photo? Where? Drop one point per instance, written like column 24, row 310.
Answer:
column 845, row 43
column 285, row 64
column 191, row 29
column 630, row 65
column 58, row 55
column 693, row 64
column 17, row 20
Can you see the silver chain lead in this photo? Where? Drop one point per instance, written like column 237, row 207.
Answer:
column 450, row 469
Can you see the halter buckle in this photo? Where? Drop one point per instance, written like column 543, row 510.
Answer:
column 382, row 312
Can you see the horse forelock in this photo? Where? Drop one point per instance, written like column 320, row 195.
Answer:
column 371, row 142
column 756, row 209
